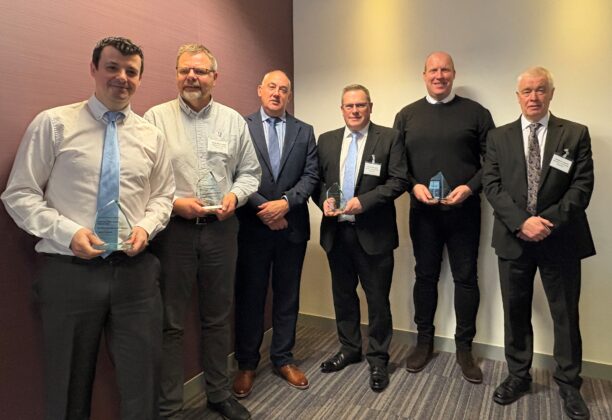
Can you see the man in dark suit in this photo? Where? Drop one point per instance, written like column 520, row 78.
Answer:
column 369, row 163
column 538, row 176
column 447, row 133
column 274, row 229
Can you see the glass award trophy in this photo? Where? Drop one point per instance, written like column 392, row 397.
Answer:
column 113, row 227
column 438, row 187
column 336, row 198
column 208, row 192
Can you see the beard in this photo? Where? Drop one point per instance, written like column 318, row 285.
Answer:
column 192, row 95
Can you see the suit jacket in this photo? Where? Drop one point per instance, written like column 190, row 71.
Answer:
column 376, row 226
column 562, row 197
column 297, row 178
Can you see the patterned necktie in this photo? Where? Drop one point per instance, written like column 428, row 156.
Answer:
column 348, row 183
column 108, row 189
column 273, row 146
column 533, row 168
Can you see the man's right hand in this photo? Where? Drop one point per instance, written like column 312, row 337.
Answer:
column 422, row 193
column 535, row 229
column 189, row 208
column 82, row 244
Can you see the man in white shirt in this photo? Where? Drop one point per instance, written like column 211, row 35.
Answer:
column 209, row 144
column 54, row 193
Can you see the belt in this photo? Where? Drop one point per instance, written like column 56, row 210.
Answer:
column 114, row 258
column 202, row 220
column 346, row 223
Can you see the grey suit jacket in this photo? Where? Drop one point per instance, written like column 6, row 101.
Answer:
column 376, row 227
column 562, row 197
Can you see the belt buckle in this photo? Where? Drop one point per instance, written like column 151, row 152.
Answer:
column 201, row 220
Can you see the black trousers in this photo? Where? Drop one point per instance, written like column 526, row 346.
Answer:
column 263, row 260
column 561, row 282
column 459, row 229
column 80, row 300
column 204, row 255
column 350, row 265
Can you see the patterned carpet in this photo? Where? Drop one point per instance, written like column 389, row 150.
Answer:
column 437, row 392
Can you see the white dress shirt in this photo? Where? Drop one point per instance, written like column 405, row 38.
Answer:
column 53, row 187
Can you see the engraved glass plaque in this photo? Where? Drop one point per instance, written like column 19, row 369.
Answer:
column 208, row 192
column 438, row 187
column 336, row 197
column 113, row 227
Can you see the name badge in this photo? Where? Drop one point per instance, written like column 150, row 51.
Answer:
column 371, row 168
column 218, row 146
column 561, row 163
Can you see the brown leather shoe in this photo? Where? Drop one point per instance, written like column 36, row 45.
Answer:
column 243, row 383
column 293, row 375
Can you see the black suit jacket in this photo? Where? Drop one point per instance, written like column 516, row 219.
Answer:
column 297, row 178
column 376, row 227
column 562, row 197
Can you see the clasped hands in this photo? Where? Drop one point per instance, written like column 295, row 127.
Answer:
column 535, row 229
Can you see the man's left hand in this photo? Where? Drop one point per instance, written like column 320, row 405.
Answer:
column 139, row 240
column 228, row 206
column 457, row 196
column 273, row 210
column 353, row 206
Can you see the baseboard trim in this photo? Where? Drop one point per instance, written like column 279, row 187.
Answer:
column 194, row 387
column 487, row 351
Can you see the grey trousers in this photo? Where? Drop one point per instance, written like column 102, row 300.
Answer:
column 203, row 254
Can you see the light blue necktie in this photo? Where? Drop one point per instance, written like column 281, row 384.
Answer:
column 273, row 146
column 348, row 183
column 108, row 189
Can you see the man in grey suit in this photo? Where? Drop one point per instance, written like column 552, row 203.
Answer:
column 538, row 177
column 369, row 162
column 274, row 229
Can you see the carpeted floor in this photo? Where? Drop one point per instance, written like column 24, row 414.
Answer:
column 437, row 392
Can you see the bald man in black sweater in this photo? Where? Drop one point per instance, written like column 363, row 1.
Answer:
column 445, row 133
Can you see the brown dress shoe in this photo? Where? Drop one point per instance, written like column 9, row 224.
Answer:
column 293, row 375
column 243, row 383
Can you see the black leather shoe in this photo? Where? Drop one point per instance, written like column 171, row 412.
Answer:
column 379, row 378
column 339, row 361
column 511, row 390
column 419, row 357
column 230, row 409
column 573, row 404
column 471, row 371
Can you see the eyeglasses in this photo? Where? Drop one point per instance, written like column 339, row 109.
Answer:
column 360, row 106
column 198, row 71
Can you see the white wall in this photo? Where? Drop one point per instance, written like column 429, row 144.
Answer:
column 382, row 44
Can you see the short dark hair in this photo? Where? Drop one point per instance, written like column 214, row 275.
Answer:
column 123, row 45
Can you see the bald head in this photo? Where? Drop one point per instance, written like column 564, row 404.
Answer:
column 439, row 74
column 274, row 93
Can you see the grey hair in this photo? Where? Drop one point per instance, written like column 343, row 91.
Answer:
column 196, row 49
column 537, row 71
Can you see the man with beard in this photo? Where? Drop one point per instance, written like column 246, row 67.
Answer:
column 210, row 146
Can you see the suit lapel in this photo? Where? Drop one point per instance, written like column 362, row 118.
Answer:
column 553, row 138
column 368, row 149
column 335, row 149
column 291, row 133
column 517, row 149
column 259, row 138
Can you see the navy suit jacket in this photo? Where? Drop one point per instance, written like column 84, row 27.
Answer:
column 562, row 197
column 376, row 226
column 297, row 178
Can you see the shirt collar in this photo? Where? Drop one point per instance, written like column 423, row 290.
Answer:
column 526, row 123
column 363, row 131
column 264, row 116
column 98, row 109
column 446, row 100
column 190, row 112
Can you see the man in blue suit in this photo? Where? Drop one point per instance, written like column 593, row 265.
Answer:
column 274, row 229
